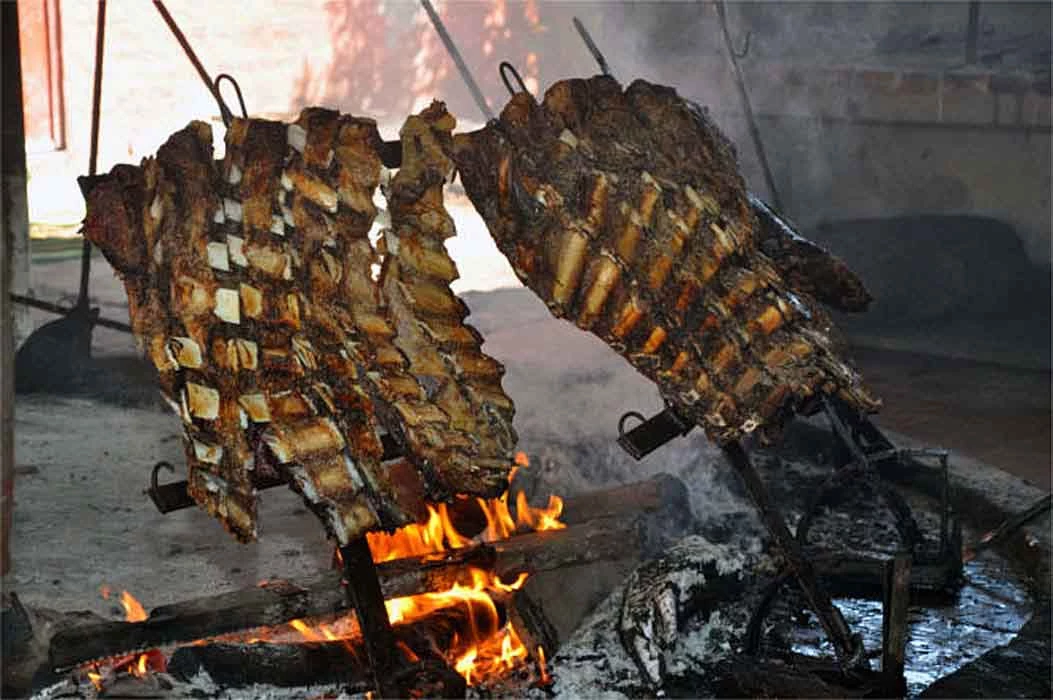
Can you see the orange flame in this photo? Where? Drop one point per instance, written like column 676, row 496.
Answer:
column 484, row 648
column 133, row 609
column 544, row 679
column 488, row 648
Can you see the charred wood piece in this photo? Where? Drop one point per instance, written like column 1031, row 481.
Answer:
column 338, row 661
column 613, row 534
column 1009, row 527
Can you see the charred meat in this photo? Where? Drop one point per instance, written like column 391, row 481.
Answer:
column 625, row 211
column 250, row 287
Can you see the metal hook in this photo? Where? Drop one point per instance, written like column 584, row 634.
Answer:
column 223, row 108
column 506, row 66
column 626, row 416
column 153, row 475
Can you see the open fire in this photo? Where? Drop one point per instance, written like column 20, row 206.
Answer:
column 484, row 647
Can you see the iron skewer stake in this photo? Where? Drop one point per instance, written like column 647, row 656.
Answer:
column 894, row 630
column 833, row 623
column 462, row 68
column 93, row 155
column 364, row 594
column 591, row 46
column 751, row 120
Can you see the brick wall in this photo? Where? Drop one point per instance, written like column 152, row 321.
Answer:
column 865, row 107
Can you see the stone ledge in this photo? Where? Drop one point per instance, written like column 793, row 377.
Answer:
column 983, row 98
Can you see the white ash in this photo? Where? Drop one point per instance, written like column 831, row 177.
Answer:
column 161, row 685
column 595, row 662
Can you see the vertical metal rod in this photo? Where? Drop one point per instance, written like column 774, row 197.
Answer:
column 366, row 597
column 894, row 624
column 830, row 617
column 751, row 120
column 462, row 68
column 972, row 31
column 93, row 154
column 945, row 498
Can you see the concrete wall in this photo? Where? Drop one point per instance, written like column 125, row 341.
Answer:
column 867, row 109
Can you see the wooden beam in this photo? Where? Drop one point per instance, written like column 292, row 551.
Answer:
column 15, row 237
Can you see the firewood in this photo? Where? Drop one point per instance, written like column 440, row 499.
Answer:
column 609, row 538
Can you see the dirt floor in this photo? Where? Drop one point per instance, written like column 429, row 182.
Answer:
column 81, row 519
column 998, row 415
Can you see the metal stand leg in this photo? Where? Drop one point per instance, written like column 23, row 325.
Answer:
column 845, row 646
column 393, row 675
column 364, row 594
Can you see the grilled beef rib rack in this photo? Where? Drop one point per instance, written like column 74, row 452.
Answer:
column 251, row 288
column 626, row 213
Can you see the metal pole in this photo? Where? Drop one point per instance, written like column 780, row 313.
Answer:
column 462, row 68
column 224, row 111
column 93, row 155
column 591, row 46
column 972, row 31
column 747, row 107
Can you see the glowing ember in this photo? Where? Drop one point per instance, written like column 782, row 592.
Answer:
column 138, row 665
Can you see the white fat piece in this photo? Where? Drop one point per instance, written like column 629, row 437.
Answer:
column 255, row 405
column 232, row 209
column 281, row 450
column 185, row 352
column 236, row 250
column 217, row 256
column 567, row 136
column 202, row 401
column 228, row 305
column 247, row 353
column 210, row 454
column 297, row 137
column 234, row 174
column 277, row 226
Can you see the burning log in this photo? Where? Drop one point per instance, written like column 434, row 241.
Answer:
column 616, row 536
